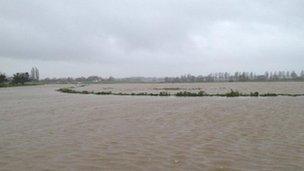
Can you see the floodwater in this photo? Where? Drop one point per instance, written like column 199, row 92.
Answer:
column 41, row 129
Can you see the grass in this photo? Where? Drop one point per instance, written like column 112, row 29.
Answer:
column 5, row 85
column 187, row 93
column 232, row 93
column 167, row 88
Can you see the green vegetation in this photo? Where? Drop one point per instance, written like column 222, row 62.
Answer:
column 5, row 85
column 187, row 93
column 254, row 94
column 232, row 93
column 18, row 79
column 163, row 93
column 67, row 90
column 21, row 78
column 2, row 78
column 271, row 94
column 103, row 93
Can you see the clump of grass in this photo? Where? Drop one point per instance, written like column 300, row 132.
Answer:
column 67, row 90
column 193, row 94
column 85, row 92
column 254, row 94
column 103, row 93
column 202, row 93
column 269, row 94
column 291, row 95
column 184, row 93
column 163, row 93
column 233, row 94
column 141, row 94
column 5, row 85
column 121, row 94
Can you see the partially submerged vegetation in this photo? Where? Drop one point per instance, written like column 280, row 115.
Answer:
column 232, row 93
column 4, row 85
column 71, row 90
column 20, row 79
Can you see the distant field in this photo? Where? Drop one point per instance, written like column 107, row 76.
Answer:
column 42, row 129
column 212, row 88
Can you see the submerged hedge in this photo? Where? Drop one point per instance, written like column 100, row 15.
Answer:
column 232, row 93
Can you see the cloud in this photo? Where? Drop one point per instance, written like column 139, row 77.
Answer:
column 166, row 37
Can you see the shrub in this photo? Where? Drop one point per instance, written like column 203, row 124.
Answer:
column 85, row 92
column 233, row 94
column 2, row 78
column 254, row 94
column 201, row 93
column 67, row 90
column 21, row 78
column 187, row 93
column 103, row 93
column 141, row 94
column 163, row 93
column 269, row 94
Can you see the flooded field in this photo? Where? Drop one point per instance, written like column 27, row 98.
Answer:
column 42, row 129
column 261, row 87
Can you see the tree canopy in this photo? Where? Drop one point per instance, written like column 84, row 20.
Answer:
column 2, row 78
column 21, row 78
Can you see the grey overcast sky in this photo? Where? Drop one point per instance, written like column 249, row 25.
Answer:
column 150, row 37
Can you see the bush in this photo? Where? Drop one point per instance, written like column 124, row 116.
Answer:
column 104, row 93
column 2, row 78
column 269, row 94
column 67, row 90
column 254, row 94
column 141, row 94
column 233, row 94
column 201, row 93
column 164, row 93
column 85, row 92
column 21, row 78
column 187, row 93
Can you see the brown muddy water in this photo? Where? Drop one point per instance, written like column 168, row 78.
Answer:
column 41, row 129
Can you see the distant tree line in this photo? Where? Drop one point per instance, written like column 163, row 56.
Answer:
column 239, row 77
column 212, row 77
column 97, row 79
column 90, row 79
column 19, row 78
